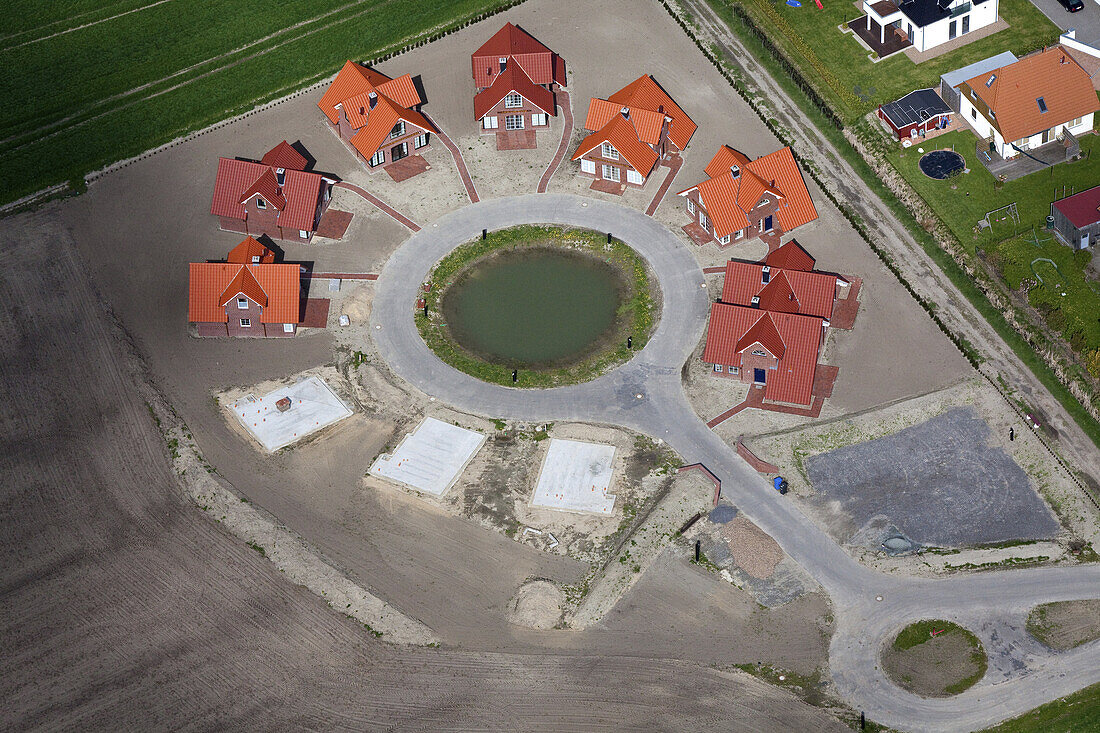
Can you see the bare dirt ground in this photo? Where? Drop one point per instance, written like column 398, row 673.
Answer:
column 929, row 669
column 123, row 606
column 1066, row 624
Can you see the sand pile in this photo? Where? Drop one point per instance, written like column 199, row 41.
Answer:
column 754, row 551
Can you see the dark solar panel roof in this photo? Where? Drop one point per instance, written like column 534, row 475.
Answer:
column 927, row 12
column 915, row 107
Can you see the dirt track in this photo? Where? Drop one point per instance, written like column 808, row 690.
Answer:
column 123, row 607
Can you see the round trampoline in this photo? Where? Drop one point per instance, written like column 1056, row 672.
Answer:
column 941, row 164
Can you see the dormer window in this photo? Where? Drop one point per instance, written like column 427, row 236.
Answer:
column 755, row 302
column 260, row 203
column 608, row 151
column 1042, row 104
column 765, row 274
column 398, row 130
column 513, row 101
column 973, row 94
column 990, row 80
column 280, row 175
column 255, row 259
column 242, row 303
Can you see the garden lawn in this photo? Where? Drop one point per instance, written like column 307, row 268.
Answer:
column 976, row 192
column 134, row 82
column 836, row 64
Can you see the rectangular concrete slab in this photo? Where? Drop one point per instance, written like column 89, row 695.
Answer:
column 312, row 406
column 575, row 477
column 430, row 458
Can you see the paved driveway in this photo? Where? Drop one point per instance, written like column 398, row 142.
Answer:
column 1087, row 21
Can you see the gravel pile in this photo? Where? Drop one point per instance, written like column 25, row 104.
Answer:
column 754, row 551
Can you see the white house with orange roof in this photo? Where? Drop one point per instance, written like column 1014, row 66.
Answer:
column 743, row 199
column 630, row 132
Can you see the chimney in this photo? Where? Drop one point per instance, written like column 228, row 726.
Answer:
column 765, row 274
column 625, row 111
column 755, row 302
column 373, row 98
column 735, row 171
column 503, row 65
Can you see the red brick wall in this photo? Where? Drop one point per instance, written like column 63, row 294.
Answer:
column 750, row 362
column 621, row 164
column 235, row 314
column 526, row 110
column 211, row 330
column 232, row 225
column 275, row 330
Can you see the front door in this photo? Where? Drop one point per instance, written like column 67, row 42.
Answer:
column 758, row 376
column 1048, row 135
column 1085, row 240
column 397, row 152
column 953, row 29
column 767, row 223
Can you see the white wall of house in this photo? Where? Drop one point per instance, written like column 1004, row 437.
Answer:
column 1004, row 147
column 940, row 32
column 974, row 118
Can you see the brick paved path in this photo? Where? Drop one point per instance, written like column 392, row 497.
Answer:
column 386, row 208
column 563, row 146
column 463, row 171
column 674, row 164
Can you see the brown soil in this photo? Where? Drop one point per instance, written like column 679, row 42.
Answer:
column 752, row 549
column 1066, row 624
column 932, row 667
column 537, row 605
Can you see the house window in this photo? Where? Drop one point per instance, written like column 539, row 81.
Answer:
column 255, row 259
column 725, row 239
column 764, row 201
column 966, row 22
column 588, row 166
column 973, row 113
column 513, row 122
column 288, row 328
column 513, row 101
column 260, row 203
column 246, row 323
column 611, row 173
column 988, row 82
column 280, row 175
column 691, row 207
column 1076, row 121
column 704, row 221
column 420, row 140
column 608, row 151
column 538, row 119
column 242, row 303
column 974, row 94
column 398, row 130
column 633, row 176
column 1042, row 104
column 992, row 114
column 734, row 370
column 759, row 352
column 303, row 234
column 718, row 368
column 378, row 158
column 490, row 123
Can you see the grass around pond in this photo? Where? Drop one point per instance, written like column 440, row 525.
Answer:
column 1077, row 712
column 935, row 658
column 836, row 64
column 637, row 314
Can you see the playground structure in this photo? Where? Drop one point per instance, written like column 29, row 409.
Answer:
column 999, row 215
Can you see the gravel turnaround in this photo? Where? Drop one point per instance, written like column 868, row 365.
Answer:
column 646, row 395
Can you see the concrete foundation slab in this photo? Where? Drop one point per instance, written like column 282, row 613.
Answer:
column 430, row 458
column 575, row 477
column 313, row 406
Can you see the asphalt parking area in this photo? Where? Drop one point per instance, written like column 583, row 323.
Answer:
column 938, row 482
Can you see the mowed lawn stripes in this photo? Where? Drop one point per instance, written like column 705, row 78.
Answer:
column 165, row 111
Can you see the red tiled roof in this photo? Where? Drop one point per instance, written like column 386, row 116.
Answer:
column 213, row 284
column 1082, row 209
column 296, row 200
column 624, row 138
column 1052, row 74
column 727, row 198
column 541, row 64
column 513, row 79
column 243, row 253
column 789, row 291
column 800, row 338
column 644, row 93
column 284, row 155
column 790, row 256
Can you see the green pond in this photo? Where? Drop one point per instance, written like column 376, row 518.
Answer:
column 538, row 307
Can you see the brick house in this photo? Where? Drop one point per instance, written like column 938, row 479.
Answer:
column 744, row 199
column 515, row 77
column 248, row 295
column 630, row 131
column 378, row 117
column 769, row 325
column 1077, row 218
column 275, row 196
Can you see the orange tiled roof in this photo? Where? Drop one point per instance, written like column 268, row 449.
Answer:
column 380, row 121
column 624, row 138
column 352, row 79
column 790, row 256
column 724, row 159
column 513, row 79
column 243, row 253
column 214, row 284
column 645, row 93
column 1012, row 92
column 788, row 291
column 284, row 155
column 646, row 123
column 792, row 381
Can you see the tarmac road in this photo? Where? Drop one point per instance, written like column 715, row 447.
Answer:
column 994, row 605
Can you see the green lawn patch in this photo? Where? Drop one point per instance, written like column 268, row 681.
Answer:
column 121, row 87
column 1077, row 712
column 839, row 68
column 636, row 316
column 952, row 661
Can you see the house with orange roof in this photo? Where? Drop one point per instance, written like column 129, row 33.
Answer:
column 275, row 196
column 769, row 326
column 515, row 76
column 629, row 132
column 1037, row 100
column 248, row 295
column 743, row 199
column 378, row 117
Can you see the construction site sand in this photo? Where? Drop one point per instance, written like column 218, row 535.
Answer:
column 1068, row 624
column 752, row 549
column 536, row 605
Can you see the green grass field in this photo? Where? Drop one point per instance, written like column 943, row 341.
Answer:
column 1077, row 712
column 80, row 98
column 1021, row 251
column 836, row 64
